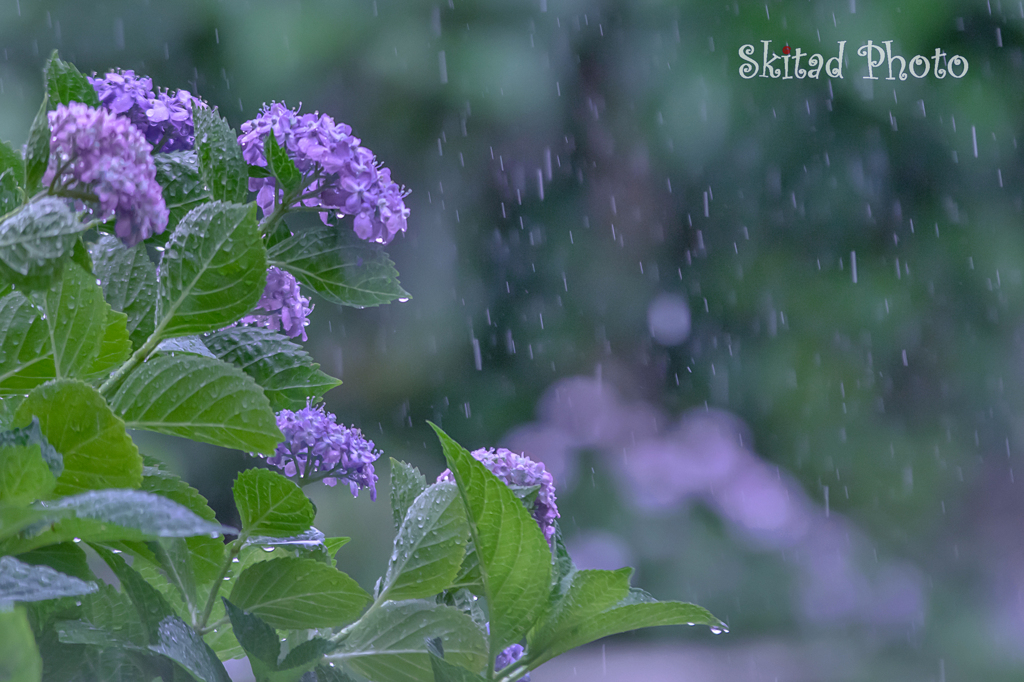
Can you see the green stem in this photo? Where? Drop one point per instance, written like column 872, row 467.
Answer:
column 234, row 547
column 213, row 626
column 514, row 673
column 134, row 361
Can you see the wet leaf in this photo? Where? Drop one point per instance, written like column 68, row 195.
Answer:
column 269, row 504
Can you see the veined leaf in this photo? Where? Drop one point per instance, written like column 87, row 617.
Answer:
column 223, row 169
column 261, row 643
column 21, row 582
column 269, row 504
column 76, row 421
column 66, row 84
column 390, row 642
column 129, row 283
column 339, row 266
column 12, row 174
column 429, row 546
column 198, row 398
column 29, row 465
column 280, row 165
column 299, row 593
column 406, row 485
column 115, row 346
column 179, row 176
column 37, row 241
column 213, row 270
column 288, row 374
column 515, row 560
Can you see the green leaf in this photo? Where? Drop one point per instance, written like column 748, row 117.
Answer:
column 259, row 172
column 180, row 643
column 76, row 421
column 36, row 241
column 150, row 606
column 66, row 84
column 19, row 657
column 212, row 272
column 220, row 157
column 21, row 582
column 429, row 546
column 26, row 356
column 185, row 344
column 448, row 672
column 515, row 560
column 280, row 165
column 207, row 553
column 153, row 516
column 24, row 476
column 115, row 346
column 339, row 266
column 288, row 374
column 12, row 174
column 261, row 643
column 129, row 283
column 406, row 485
column 389, row 642
column 179, row 176
column 14, row 520
column 37, row 148
column 198, row 398
column 299, row 593
column 66, row 557
column 582, row 625
column 29, row 465
column 269, row 504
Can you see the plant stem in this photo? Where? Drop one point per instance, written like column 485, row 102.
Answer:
column 234, row 547
column 134, row 361
column 514, row 673
column 213, row 626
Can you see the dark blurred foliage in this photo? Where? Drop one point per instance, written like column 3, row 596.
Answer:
column 571, row 160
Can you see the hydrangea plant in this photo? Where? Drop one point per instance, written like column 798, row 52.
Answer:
column 142, row 289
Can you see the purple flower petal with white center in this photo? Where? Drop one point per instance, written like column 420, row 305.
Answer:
column 521, row 471
column 96, row 151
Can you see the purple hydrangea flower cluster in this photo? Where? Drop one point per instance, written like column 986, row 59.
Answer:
column 519, row 470
column 314, row 443
column 287, row 309
column 165, row 119
column 508, row 657
column 339, row 174
column 96, row 151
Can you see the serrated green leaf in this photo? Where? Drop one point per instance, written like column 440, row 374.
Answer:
column 21, row 582
column 429, row 546
column 153, row 516
column 37, row 148
column 129, row 284
column 515, row 559
column 66, row 84
column 179, row 176
column 180, row 643
column 26, row 356
column 207, row 553
column 19, row 657
column 12, row 175
column 288, row 375
column 390, row 642
column 298, row 593
column 281, row 165
column 24, row 476
column 75, row 318
column 269, row 504
column 36, row 241
column 261, row 643
column 66, row 557
column 220, row 157
column 589, row 626
column 406, row 485
column 115, row 346
column 212, row 272
column 339, row 266
column 76, row 421
column 150, row 606
column 185, row 344
column 198, row 398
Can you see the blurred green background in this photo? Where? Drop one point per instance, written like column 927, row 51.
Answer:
column 768, row 334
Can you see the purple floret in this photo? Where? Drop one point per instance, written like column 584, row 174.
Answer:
column 508, row 657
column 103, row 154
column 287, row 309
column 338, row 173
column 314, row 443
column 521, row 471
column 165, row 119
